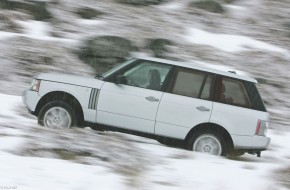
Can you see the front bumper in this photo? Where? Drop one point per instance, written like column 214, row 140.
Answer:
column 30, row 99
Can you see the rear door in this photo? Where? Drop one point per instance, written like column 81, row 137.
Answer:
column 186, row 104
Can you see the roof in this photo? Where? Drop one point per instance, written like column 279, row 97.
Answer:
column 200, row 67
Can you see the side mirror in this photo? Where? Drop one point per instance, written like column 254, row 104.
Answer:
column 121, row 79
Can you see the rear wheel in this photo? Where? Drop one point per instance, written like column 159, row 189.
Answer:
column 57, row 114
column 208, row 142
column 170, row 142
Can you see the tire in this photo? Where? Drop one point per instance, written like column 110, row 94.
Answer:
column 170, row 142
column 209, row 142
column 235, row 153
column 57, row 114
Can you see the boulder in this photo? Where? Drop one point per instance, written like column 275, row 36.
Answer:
column 35, row 8
column 140, row 2
column 104, row 52
column 159, row 46
column 208, row 5
column 88, row 13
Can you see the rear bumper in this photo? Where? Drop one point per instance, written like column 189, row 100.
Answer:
column 251, row 142
column 30, row 99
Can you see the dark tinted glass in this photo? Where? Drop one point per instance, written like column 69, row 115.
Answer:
column 188, row 83
column 234, row 92
column 256, row 100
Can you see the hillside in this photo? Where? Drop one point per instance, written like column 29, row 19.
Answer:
column 87, row 37
column 248, row 36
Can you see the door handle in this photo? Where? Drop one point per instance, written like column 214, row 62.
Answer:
column 152, row 99
column 202, row 108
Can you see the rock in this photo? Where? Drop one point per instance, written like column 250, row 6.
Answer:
column 208, row 5
column 158, row 46
column 8, row 24
column 35, row 8
column 88, row 13
column 140, row 2
column 39, row 11
column 229, row 1
column 105, row 51
column 287, row 25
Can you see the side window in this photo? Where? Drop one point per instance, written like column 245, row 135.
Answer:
column 256, row 100
column 147, row 74
column 190, row 83
column 234, row 92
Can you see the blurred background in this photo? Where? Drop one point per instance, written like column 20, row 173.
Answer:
column 88, row 37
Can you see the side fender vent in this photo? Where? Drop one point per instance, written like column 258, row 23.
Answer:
column 94, row 99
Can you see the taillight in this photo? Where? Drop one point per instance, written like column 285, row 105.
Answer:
column 258, row 127
column 262, row 127
column 35, row 85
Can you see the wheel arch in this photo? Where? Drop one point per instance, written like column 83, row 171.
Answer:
column 212, row 126
column 64, row 96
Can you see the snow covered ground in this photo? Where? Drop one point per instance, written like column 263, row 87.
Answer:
column 158, row 166
column 248, row 38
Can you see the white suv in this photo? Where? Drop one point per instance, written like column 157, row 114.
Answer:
column 202, row 109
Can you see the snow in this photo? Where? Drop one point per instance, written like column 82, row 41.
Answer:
column 167, row 168
column 229, row 43
column 7, row 104
column 236, row 7
column 5, row 35
column 238, row 11
column 90, row 22
column 38, row 173
column 176, row 6
column 36, row 30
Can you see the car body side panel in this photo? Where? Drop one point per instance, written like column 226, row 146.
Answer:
column 71, row 79
column 90, row 115
column 237, row 120
column 82, row 94
column 172, row 131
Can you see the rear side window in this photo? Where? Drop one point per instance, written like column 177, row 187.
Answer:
column 192, row 83
column 257, row 102
column 234, row 92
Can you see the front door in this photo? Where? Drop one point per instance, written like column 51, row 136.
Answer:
column 133, row 103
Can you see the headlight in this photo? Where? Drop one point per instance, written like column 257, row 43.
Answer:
column 35, row 85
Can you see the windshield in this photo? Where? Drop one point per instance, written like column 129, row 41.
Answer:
column 119, row 66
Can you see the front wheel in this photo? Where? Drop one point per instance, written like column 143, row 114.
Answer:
column 207, row 142
column 57, row 114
